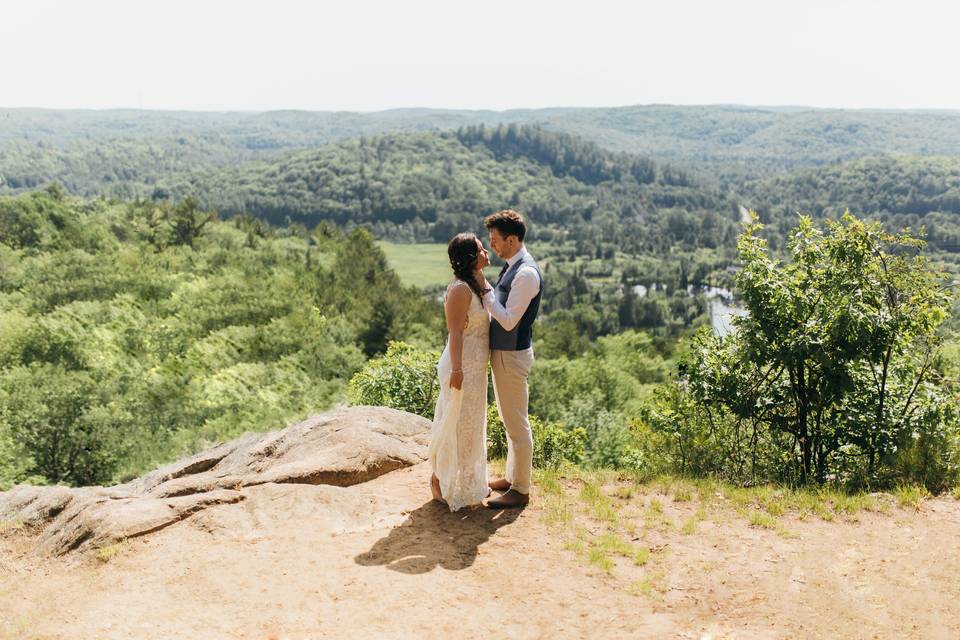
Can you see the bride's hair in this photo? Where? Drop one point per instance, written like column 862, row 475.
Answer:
column 463, row 254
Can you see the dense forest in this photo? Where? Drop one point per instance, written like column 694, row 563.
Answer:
column 125, row 152
column 133, row 332
column 901, row 191
column 428, row 186
column 220, row 274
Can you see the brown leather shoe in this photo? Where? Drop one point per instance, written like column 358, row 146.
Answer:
column 499, row 485
column 510, row 500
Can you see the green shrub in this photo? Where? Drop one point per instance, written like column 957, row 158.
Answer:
column 58, row 419
column 404, row 378
column 15, row 463
column 553, row 443
column 829, row 377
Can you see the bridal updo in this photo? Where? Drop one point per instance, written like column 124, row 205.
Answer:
column 463, row 253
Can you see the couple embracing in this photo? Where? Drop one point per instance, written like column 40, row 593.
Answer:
column 486, row 324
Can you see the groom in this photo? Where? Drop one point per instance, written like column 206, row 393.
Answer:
column 513, row 304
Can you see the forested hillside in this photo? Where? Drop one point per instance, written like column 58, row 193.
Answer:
column 126, row 152
column 133, row 332
column 136, row 324
column 900, row 191
column 431, row 185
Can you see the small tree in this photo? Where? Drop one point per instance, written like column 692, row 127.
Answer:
column 56, row 417
column 403, row 378
column 834, row 360
column 187, row 222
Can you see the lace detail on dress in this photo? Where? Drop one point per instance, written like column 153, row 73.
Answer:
column 458, row 444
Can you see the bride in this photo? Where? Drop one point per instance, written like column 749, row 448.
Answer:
column 458, row 444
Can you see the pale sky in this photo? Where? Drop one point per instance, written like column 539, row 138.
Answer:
column 364, row 55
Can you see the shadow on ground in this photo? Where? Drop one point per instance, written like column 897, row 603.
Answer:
column 432, row 537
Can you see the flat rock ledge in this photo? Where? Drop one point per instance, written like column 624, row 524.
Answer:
column 342, row 447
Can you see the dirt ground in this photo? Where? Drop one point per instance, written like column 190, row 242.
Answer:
column 380, row 561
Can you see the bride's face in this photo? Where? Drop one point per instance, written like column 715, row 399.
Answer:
column 483, row 258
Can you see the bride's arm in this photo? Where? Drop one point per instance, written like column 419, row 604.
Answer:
column 455, row 309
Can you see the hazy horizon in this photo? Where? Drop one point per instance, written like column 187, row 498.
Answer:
column 367, row 56
column 754, row 107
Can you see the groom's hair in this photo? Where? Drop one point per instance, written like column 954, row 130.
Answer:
column 508, row 222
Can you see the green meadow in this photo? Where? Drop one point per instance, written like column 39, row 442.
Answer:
column 423, row 264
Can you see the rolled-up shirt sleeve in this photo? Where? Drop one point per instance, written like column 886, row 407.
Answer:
column 525, row 287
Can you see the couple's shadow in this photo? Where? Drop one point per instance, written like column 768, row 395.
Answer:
column 432, row 536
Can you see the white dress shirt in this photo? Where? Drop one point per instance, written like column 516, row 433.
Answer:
column 525, row 287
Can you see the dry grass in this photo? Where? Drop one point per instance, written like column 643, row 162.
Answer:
column 598, row 512
column 648, row 585
column 911, row 496
column 109, row 552
column 621, row 525
column 10, row 525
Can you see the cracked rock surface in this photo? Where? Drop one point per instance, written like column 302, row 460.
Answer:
column 341, row 448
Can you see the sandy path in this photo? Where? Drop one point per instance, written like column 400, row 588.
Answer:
column 377, row 560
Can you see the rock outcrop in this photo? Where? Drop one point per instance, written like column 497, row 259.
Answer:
column 340, row 448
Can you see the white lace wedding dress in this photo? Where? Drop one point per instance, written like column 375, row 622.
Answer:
column 458, row 444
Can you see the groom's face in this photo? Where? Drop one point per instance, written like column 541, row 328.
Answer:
column 504, row 247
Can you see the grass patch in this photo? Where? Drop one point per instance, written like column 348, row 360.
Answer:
column 762, row 519
column 549, row 481
column 600, row 551
column 577, row 546
column 10, row 525
column 825, row 503
column 612, row 543
column 109, row 552
column 648, row 585
column 682, row 491
column 773, row 500
column 590, row 493
column 605, row 512
column 956, row 493
column 911, row 496
column 556, row 510
column 690, row 524
column 654, row 516
column 599, row 558
column 641, row 556
column 852, row 504
column 810, row 502
column 598, row 503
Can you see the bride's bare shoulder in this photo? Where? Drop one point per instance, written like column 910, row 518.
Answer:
column 458, row 293
column 457, row 285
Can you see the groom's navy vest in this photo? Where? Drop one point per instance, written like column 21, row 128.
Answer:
column 521, row 336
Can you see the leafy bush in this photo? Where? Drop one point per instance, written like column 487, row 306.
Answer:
column 553, row 444
column 404, row 378
column 15, row 463
column 59, row 419
column 123, row 347
column 831, row 377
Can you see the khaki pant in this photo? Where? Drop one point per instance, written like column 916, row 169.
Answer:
column 510, row 371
